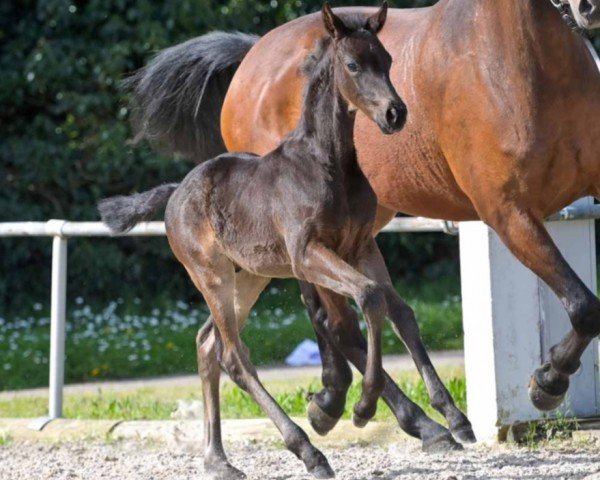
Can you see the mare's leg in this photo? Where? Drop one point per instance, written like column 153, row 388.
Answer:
column 327, row 406
column 343, row 330
column 319, row 265
column 526, row 237
column 217, row 286
column 406, row 327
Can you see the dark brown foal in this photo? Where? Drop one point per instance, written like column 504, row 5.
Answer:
column 305, row 210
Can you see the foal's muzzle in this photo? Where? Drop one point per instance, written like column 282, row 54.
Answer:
column 395, row 118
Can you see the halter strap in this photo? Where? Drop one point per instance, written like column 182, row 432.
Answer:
column 564, row 8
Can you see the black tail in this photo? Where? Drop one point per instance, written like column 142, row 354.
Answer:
column 122, row 213
column 177, row 97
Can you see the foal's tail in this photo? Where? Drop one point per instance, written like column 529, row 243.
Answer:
column 122, row 213
column 177, row 97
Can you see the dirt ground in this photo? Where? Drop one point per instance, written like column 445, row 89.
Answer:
column 126, row 460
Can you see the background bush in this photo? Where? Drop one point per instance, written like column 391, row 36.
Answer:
column 64, row 132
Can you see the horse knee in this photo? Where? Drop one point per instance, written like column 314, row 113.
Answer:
column 586, row 318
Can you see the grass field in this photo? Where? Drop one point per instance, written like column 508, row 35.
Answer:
column 131, row 339
column 159, row 403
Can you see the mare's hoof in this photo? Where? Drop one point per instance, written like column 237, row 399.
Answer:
column 323, row 471
column 223, row 471
column 464, row 434
column 543, row 400
column 358, row 421
column 442, row 443
column 321, row 422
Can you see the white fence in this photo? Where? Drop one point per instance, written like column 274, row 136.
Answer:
column 61, row 230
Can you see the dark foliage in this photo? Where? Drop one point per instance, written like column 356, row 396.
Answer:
column 64, row 136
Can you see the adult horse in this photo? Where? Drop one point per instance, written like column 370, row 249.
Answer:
column 502, row 97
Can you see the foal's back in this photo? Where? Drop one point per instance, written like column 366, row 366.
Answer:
column 245, row 207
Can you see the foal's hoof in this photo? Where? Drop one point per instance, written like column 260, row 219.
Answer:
column 321, row 422
column 464, row 434
column 323, row 471
column 358, row 421
column 546, row 395
column 223, row 471
column 461, row 429
column 441, row 443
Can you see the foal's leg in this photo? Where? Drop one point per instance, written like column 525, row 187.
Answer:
column 218, row 292
column 319, row 265
column 215, row 459
column 209, row 349
column 406, row 327
column 343, row 331
column 525, row 235
column 327, row 406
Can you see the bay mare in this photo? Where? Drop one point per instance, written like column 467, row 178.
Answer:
column 503, row 126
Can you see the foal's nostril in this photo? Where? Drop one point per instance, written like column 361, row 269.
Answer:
column 396, row 114
column 391, row 115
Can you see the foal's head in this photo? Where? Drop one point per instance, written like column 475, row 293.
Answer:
column 362, row 68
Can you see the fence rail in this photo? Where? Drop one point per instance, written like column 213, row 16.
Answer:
column 61, row 230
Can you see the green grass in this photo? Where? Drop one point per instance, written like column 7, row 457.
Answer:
column 131, row 339
column 158, row 403
column 561, row 427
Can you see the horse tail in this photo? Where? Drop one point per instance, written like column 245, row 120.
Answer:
column 122, row 213
column 177, row 98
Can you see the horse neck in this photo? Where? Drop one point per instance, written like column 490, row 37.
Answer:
column 529, row 31
column 325, row 118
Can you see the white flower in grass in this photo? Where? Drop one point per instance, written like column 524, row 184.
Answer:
column 37, row 307
column 182, row 305
column 132, row 358
column 7, row 366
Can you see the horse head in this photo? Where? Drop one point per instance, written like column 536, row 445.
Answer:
column 586, row 13
column 362, row 67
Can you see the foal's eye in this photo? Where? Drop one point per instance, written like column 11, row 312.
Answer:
column 352, row 67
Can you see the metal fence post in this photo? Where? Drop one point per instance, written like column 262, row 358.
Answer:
column 58, row 301
column 57, row 323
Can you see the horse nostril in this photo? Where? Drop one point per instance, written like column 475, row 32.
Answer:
column 391, row 115
column 396, row 114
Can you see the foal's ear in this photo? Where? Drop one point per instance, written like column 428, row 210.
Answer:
column 333, row 23
column 376, row 22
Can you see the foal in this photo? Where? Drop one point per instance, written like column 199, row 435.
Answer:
column 305, row 210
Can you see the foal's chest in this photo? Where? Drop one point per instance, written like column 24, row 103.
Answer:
column 347, row 218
